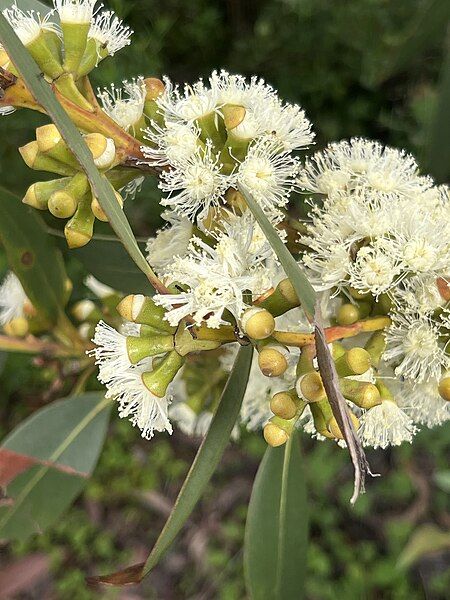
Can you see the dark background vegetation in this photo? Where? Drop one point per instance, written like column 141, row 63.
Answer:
column 375, row 68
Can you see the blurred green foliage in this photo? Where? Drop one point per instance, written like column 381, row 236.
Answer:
column 332, row 57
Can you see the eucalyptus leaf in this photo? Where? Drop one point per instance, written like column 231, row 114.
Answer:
column 276, row 532
column 25, row 5
column 65, row 440
column 201, row 471
column 32, row 255
column 101, row 187
column 303, row 288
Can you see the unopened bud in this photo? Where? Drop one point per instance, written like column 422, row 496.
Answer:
column 283, row 405
column 18, row 327
column 274, row 435
column 365, row 395
column 51, row 143
column 444, row 388
column 233, row 115
column 335, row 430
column 80, row 228
column 273, row 360
column 141, row 309
column 40, row 162
column 155, row 88
column 282, row 299
column 83, row 309
column 62, row 204
column 258, row 323
column 310, row 387
column 103, row 150
column 355, row 361
column 38, row 194
column 98, row 211
column 347, row 314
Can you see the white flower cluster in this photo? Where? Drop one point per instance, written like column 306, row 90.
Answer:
column 382, row 231
column 229, row 133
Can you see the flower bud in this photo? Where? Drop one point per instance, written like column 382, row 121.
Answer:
column 282, row 299
column 18, row 327
column 98, row 211
column 274, row 435
column 233, row 115
column 272, row 360
column 52, row 145
column 375, row 346
column 40, row 162
column 83, row 310
column 365, row 395
column 335, row 430
column 141, row 309
column 444, row 388
column 62, row 204
column 38, row 194
column 257, row 323
column 155, row 88
column 310, row 387
column 80, row 228
column 355, row 361
column 347, row 314
column 103, row 150
column 283, row 405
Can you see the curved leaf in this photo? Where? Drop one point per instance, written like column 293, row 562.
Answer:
column 201, row 471
column 303, row 288
column 32, row 255
column 50, row 455
column 276, row 532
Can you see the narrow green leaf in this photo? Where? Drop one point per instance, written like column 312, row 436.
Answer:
column 69, row 433
column 428, row 25
column 426, row 539
column 32, row 255
column 102, row 189
column 276, row 532
column 437, row 157
column 303, row 288
column 201, row 471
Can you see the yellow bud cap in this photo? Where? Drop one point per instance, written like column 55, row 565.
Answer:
column 272, row 360
column 274, row 435
column 29, row 153
column 47, row 137
column 233, row 115
column 287, row 290
column 76, row 239
column 98, row 211
column 347, row 314
column 444, row 388
column 282, row 405
column 103, row 149
column 62, row 204
column 125, row 307
column 31, row 198
column 18, row 327
column 355, row 361
column 258, row 323
column 155, row 88
column 310, row 387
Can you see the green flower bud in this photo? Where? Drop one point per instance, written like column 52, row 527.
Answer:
column 375, row 346
column 51, row 144
column 40, row 162
column 274, row 435
column 444, row 388
column 103, row 150
column 347, row 314
column 141, row 309
column 258, row 323
column 80, row 228
column 365, row 395
column 143, row 347
column 284, row 298
column 98, row 211
column 285, row 405
column 38, row 194
column 310, row 387
column 355, row 361
column 272, row 360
